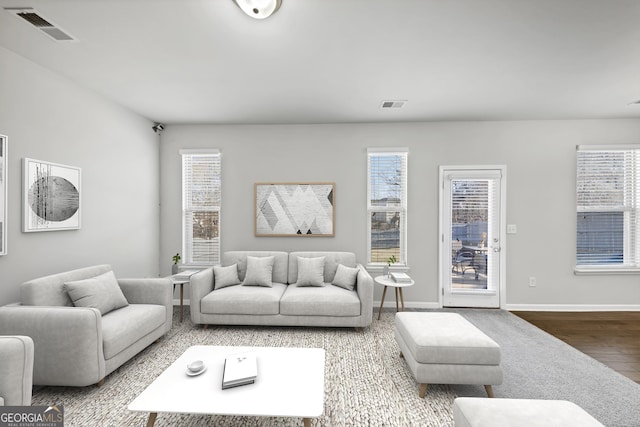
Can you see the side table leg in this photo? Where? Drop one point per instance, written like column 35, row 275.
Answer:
column 384, row 292
column 152, row 419
column 181, row 296
column 402, row 298
column 396, row 299
column 307, row 422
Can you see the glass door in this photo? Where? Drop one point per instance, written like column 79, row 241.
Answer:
column 471, row 242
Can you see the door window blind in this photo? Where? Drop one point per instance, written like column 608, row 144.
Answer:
column 470, row 210
column 201, row 199
column 608, row 208
column 387, row 205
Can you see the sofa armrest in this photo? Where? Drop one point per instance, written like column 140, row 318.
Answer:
column 148, row 291
column 364, row 287
column 157, row 291
column 16, row 370
column 67, row 342
column 201, row 285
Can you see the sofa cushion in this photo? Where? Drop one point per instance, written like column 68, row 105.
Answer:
column 125, row 326
column 328, row 300
column 101, row 292
column 257, row 300
column 331, row 261
column 225, row 276
column 49, row 290
column 280, row 262
column 259, row 271
column 346, row 277
column 310, row 271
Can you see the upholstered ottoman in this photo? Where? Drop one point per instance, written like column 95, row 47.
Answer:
column 482, row 412
column 444, row 348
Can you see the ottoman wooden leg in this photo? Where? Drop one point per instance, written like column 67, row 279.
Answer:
column 423, row 390
column 401, row 355
column 489, row 390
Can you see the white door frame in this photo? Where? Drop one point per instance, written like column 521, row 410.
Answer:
column 446, row 252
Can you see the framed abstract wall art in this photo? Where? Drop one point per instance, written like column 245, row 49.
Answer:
column 51, row 196
column 295, row 209
column 4, row 189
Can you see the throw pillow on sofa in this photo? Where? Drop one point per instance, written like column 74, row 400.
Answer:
column 259, row 271
column 346, row 277
column 101, row 292
column 310, row 271
column 225, row 276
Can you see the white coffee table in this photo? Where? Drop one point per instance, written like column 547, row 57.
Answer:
column 290, row 383
column 387, row 281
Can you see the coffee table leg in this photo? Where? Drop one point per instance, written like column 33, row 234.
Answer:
column 307, row 422
column 384, row 292
column 152, row 419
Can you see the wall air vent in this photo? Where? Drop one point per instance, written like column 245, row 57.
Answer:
column 37, row 20
column 392, row 104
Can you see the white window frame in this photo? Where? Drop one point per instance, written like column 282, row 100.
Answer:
column 401, row 207
column 187, row 210
column 630, row 207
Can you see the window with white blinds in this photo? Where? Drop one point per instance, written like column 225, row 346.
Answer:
column 201, row 188
column 387, row 205
column 608, row 209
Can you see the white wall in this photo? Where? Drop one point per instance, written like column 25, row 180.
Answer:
column 46, row 117
column 49, row 118
column 540, row 160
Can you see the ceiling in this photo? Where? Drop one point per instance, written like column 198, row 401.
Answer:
column 336, row 61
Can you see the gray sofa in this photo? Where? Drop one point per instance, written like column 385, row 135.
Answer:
column 284, row 303
column 16, row 370
column 78, row 337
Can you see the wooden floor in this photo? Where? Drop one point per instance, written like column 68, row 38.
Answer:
column 613, row 338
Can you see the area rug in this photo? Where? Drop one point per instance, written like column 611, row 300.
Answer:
column 366, row 382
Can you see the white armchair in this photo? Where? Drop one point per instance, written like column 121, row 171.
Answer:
column 81, row 332
column 16, row 370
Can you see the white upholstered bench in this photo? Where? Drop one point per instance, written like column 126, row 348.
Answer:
column 482, row 412
column 444, row 348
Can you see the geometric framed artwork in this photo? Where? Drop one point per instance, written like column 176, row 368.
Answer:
column 4, row 189
column 50, row 197
column 294, row 209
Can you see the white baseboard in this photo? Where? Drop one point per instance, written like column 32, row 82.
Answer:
column 509, row 307
column 572, row 307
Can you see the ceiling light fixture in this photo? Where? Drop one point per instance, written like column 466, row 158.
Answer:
column 259, row 9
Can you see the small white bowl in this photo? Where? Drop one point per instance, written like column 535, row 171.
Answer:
column 195, row 366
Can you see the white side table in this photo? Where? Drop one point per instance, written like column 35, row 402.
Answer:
column 182, row 278
column 387, row 281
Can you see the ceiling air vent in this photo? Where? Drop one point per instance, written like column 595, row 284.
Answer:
column 34, row 18
column 392, row 104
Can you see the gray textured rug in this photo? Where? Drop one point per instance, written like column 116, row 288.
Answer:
column 366, row 381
